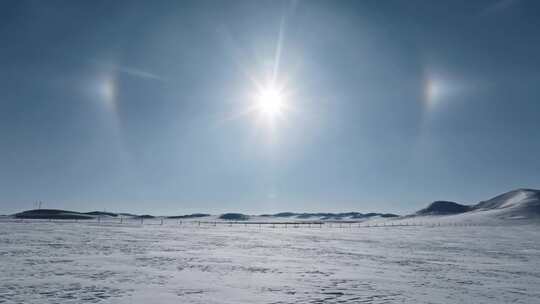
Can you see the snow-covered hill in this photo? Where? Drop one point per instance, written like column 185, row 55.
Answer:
column 520, row 204
column 525, row 200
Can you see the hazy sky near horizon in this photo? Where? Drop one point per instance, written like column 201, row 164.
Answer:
column 144, row 106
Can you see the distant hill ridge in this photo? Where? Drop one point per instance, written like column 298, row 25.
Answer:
column 334, row 216
column 511, row 199
column 188, row 216
column 67, row 214
column 444, row 207
column 53, row 214
column 519, row 203
column 72, row 215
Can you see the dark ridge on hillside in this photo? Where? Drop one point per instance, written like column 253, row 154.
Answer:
column 285, row 214
column 187, row 216
column 333, row 216
column 127, row 214
column 52, row 214
column 101, row 213
column 234, row 217
column 444, row 208
column 145, row 216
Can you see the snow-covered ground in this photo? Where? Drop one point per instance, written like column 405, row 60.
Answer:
column 60, row 262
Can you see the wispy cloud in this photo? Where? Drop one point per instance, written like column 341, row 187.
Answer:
column 136, row 72
column 498, row 6
column 129, row 70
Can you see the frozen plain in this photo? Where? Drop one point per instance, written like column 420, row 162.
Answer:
column 57, row 262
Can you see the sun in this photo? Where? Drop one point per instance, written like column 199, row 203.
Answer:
column 270, row 102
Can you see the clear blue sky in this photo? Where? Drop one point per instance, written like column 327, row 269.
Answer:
column 141, row 106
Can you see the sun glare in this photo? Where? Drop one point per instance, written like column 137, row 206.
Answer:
column 270, row 102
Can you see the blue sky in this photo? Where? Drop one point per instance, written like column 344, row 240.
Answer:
column 147, row 106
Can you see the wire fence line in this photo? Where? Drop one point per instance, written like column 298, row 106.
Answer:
column 259, row 224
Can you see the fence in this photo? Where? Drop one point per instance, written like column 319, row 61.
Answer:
column 260, row 224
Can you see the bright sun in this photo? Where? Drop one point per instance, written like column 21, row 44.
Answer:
column 270, row 102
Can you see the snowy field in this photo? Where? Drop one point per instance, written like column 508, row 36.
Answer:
column 56, row 262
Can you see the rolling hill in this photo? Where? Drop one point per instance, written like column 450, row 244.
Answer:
column 515, row 204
